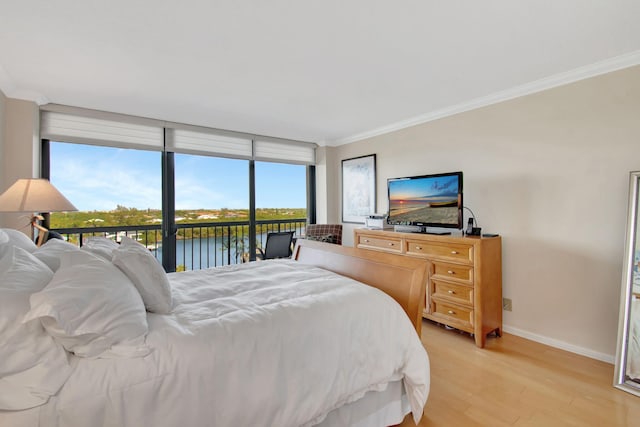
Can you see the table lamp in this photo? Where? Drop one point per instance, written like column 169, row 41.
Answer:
column 35, row 196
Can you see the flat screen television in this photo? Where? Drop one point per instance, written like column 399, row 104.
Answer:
column 426, row 201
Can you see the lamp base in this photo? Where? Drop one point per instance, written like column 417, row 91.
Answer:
column 42, row 231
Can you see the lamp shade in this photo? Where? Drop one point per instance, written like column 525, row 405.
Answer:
column 34, row 195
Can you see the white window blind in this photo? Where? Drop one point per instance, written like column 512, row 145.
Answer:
column 70, row 124
column 285, row 151
column 208, row 143
column 80, row 129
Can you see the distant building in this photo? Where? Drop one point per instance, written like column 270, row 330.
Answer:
column 207, row 216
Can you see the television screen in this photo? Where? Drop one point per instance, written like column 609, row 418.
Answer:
column 427, row 200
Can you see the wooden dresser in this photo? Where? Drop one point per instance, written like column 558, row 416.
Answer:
column 464, row 286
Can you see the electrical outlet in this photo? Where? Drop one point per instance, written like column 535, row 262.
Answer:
column 506, row 304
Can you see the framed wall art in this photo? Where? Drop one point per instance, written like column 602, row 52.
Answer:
column 358, row 188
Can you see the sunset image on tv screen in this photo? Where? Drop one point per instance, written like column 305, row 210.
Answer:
column 427, row 200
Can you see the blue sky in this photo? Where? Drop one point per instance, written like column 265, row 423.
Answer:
column 100, row 178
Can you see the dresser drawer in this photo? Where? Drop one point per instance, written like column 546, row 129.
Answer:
column 462, row 253
column 451, row 313
column 455, row 292
column 382, row 243
column 464, row 283
column 453, row 271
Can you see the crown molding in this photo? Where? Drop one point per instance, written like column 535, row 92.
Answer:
column 28, row 95
column 6, row 84
column 10, row 90
column 613, row 64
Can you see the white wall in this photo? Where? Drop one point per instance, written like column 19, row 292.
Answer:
column 326, row 181
column 3, row 102
column 549, row 173
column 20, row 150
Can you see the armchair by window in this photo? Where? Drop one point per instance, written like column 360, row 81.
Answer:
column 278, row 245
column 330, row 233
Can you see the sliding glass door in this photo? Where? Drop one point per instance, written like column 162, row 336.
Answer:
column 211, row 211
column 281, row 195
column 221, row 208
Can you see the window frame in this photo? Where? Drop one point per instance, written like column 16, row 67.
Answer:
column 168, row 228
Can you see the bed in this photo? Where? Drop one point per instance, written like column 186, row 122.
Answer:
column 296, row 342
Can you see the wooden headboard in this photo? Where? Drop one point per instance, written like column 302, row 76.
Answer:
column 403, row 278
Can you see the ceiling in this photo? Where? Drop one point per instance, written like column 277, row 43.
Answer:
column 330, row 71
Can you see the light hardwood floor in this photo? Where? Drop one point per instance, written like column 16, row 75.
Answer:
column 517, row 382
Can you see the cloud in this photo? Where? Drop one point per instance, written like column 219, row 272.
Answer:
column 100, row 178
column 105, row 182
column 195, row 192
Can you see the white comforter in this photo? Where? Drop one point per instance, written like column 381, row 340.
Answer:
column 272, row 343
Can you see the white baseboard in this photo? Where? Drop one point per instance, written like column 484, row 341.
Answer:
column 609, row 358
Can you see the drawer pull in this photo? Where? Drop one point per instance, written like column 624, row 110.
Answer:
column 454, row 252
column 451, row 272
column 451, row 312
column 366, row 240
column 390, row 244
column 418, row 248
column 451, row 291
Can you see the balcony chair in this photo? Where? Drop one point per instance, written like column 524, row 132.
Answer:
column 330, row 233
column 278, row 245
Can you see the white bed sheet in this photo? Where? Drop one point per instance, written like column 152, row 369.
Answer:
column 272, row 343
column 375, row 408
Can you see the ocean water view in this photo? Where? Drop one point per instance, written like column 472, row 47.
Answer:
column 197, row 253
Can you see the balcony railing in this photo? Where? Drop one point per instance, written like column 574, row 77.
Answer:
column 198, row 245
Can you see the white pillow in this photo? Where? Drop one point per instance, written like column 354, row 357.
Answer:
column 50, row 252
column 92, row 308
column 100, row 246
column 32, row 365
column 146, row 273
column 10, row 238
